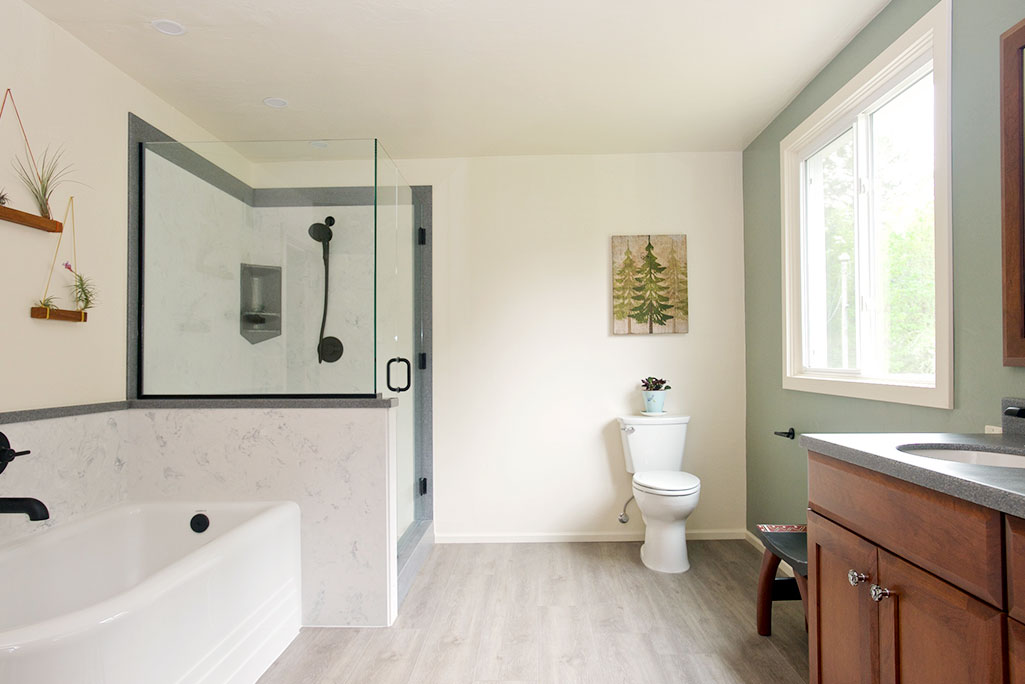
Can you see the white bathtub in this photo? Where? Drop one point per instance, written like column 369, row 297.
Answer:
column 132, row 595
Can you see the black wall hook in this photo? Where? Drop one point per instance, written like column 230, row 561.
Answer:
column 789, row 434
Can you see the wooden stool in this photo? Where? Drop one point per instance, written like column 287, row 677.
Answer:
column 789, row 543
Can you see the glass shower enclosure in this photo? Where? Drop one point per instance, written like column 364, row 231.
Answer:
column 280, row 270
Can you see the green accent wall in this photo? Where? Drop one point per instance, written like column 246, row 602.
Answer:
column 777, row 471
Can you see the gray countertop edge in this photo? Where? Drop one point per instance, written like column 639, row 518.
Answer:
column 9, row 417
column 999, row 488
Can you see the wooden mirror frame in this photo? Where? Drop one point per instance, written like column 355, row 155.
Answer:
column 1012, row 104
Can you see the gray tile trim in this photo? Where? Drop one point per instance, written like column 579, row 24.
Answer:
column 60, row 412
column 202, row 168
column 28, row 415
column 315, row 197
column 261, row 403
column 414, row 548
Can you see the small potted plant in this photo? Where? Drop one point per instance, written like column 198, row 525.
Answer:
column 654, row 391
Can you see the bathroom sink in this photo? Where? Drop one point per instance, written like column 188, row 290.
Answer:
column 987, row 458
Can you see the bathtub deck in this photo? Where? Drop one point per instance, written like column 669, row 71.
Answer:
column 564, row 613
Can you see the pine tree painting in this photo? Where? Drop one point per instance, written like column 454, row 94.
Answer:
column 624, row 279
column 676, row 285
column 649, row 284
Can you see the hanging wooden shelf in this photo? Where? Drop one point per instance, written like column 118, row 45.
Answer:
column 71, row 315
column 31, row 220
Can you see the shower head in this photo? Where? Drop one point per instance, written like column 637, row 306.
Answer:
column 321, row 232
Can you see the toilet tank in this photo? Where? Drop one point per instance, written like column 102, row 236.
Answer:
column 653, row 442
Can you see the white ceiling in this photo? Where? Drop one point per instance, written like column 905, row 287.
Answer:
column 444, row 78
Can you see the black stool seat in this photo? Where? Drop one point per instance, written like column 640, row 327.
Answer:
column 782, row 542
column 790, row 545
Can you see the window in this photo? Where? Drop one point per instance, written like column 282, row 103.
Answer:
column 866, row 231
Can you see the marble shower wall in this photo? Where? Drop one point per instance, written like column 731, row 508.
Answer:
column 335, row 463
column 197, row 237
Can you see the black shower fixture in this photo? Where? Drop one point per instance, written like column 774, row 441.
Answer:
column 329, row 349
column 321, row 232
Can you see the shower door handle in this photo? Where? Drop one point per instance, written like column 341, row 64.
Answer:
column 409, row 374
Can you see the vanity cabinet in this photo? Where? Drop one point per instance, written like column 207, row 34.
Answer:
column 906, row 585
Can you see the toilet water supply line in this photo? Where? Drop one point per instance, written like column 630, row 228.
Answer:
column 623, row 517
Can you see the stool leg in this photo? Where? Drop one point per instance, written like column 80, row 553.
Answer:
column 765, row 580
column 802, row 586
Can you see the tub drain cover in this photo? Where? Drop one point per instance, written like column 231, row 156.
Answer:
column 199, row 522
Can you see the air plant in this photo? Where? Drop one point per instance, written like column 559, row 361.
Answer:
column 82, row 290
column 653, row 384
column 42, row 184
column 3, row 197
column 48, row 302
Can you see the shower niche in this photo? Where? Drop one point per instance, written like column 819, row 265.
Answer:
column 260, row 303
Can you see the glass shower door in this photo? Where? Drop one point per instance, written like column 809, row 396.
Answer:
column 395, row 316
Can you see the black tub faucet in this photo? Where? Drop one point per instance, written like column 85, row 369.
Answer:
column 33, row 508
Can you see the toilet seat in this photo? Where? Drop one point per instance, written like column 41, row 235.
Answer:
column 666, row 482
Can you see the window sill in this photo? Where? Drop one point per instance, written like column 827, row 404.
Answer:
column 939, row 396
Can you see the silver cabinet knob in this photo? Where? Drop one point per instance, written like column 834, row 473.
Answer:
column 878, row 593
column 856, row 578
column 628, row 429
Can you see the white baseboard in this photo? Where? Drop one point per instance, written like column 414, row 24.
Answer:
column 548, row 537
column 784, row 567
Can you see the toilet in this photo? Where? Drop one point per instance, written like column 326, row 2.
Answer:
column 666, row 494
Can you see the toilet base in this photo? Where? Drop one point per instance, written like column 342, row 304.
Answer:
column 665, row 548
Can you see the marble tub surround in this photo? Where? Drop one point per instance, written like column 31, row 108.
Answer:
column 78, row 465
column 1000, row 488
column 335, row 463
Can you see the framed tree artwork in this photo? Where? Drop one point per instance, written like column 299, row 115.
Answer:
column 649, row 284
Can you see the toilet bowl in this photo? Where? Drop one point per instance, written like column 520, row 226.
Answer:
column 666, row 495
column 665, row 499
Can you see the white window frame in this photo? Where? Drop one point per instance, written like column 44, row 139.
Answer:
column 929, row 36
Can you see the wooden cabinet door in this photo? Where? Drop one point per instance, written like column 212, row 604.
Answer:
column 932, row 632
column 843, row 622
column 1016, row 651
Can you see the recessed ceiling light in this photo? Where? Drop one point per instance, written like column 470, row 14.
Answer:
column 168, row 27
column 275, row 102
column 319, row 144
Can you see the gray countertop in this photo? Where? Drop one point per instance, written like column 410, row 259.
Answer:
column 1002, row 488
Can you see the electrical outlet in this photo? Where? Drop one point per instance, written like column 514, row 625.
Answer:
column 994, row 430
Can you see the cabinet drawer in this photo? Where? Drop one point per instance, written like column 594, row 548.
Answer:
column 953, row 539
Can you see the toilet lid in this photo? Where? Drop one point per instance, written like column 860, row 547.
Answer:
column 667, row 481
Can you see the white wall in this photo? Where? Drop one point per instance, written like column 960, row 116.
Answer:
column 68, row 96
column 528, row 378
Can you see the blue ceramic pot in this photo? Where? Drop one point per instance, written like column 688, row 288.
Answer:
column 654, row 400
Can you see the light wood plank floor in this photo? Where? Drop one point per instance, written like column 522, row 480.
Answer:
column 586, row 613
